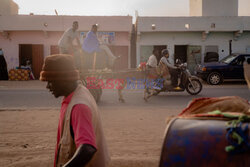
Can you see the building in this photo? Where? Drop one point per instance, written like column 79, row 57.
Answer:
column 32, row 37
column 213, row 7
column 8, row 7
column 191, row 38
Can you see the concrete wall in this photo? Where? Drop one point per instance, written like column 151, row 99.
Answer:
column 8, row 7
column 220, row 8
column 47, row 30
column 221, row 39
column 61, row 23
column 222, row 23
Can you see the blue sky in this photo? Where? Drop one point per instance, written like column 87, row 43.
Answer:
column 114, row 7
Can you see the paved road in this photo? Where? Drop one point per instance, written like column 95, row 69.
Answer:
column 25, row 98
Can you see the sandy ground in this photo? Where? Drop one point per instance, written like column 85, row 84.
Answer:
column 36, row 84
column 134, row 136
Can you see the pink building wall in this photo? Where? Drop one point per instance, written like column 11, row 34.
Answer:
column 11, row 46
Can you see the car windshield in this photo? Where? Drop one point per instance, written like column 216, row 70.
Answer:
column 228, row 59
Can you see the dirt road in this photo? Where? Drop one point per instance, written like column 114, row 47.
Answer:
column 134, row 135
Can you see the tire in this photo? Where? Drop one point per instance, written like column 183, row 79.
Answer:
column 96, row 93
column 197, row 84
column 214, row 78
column 99, row 94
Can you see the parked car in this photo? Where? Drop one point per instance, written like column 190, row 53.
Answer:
column 230, row 67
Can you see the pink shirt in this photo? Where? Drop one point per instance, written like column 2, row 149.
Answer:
column 81, row 123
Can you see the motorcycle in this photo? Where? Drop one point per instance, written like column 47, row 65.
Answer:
column 186, row 81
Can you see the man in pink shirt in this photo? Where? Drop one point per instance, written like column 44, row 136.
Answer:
column 80, row 139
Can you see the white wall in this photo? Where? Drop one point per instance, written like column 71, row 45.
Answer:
column 194, row 38
column 168, row 24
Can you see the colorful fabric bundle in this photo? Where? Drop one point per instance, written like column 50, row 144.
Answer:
column 228, row 104
column 18, row 75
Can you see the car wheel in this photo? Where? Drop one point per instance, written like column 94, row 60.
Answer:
column 214, row 78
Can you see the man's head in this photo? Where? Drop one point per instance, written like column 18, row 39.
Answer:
column 94, row 28
column 75, row 25
column 165, row 53
column 60, row 73
column 156, row 52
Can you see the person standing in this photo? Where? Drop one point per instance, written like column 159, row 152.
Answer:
column 91, row 45
column 3, row 67
column 66, row 41
column 80, row 137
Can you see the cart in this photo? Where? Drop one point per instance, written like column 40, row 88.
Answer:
column 96, row 80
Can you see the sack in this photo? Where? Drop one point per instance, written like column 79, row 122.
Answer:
column 228, row 104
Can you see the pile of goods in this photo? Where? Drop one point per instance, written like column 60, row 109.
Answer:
column 19, row 75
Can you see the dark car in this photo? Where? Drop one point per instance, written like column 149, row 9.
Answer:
column 230, row 67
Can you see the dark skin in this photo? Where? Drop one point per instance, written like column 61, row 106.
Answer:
column 61, row 88
column 94, row 28
column 84, row 152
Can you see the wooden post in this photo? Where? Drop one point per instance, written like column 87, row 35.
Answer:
column 81, row 62
column 94, row 61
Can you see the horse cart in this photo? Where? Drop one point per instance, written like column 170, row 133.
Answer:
column 96, row 79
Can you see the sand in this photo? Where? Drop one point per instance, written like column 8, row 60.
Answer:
column 134, row 135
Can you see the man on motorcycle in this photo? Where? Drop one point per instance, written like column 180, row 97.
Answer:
column 173, row 70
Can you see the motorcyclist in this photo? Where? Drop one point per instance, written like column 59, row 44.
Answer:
column 173, row 70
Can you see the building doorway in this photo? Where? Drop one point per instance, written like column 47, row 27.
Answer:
column 189, row 54
column 147, row 50
column 122, row 62
column 33, row 54
column 159, row 48
column 180, row 52
column 193, row 57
